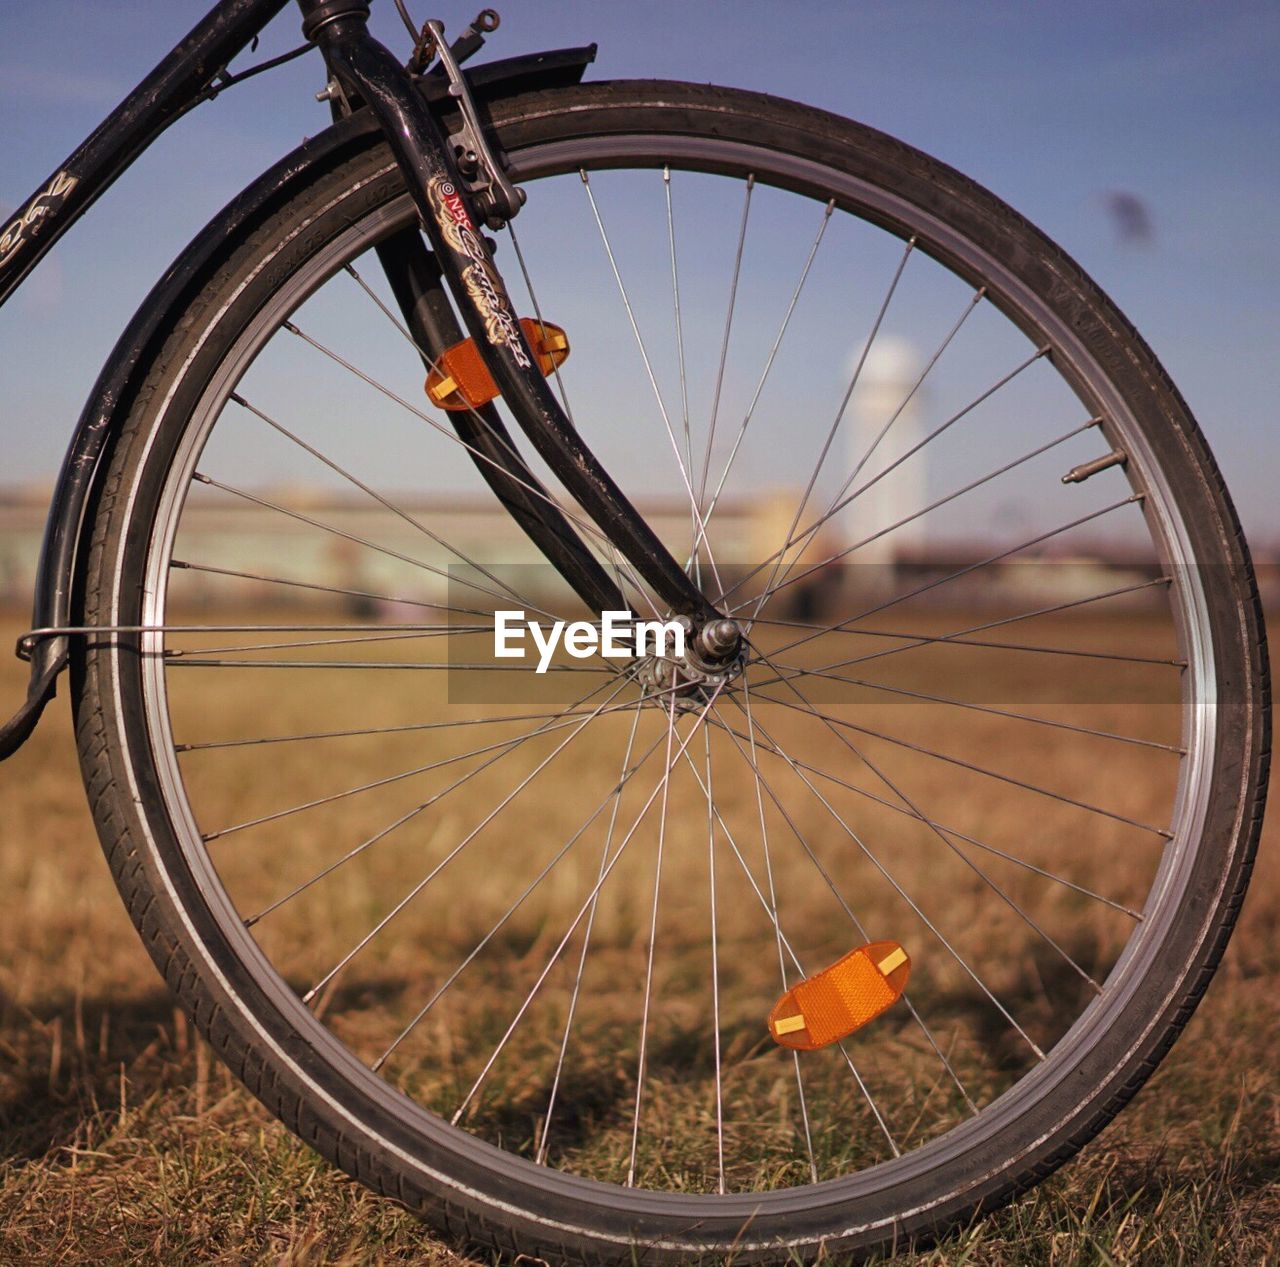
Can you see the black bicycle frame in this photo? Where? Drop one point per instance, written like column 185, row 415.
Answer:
column 194, row 71
column 449, row 218
column 182, row 80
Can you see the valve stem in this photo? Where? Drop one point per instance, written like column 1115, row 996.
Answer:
column 1078, row 474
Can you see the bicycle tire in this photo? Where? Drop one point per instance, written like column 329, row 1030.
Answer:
column 461, row 1185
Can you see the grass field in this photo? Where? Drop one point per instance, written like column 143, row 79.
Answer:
column 124, row 1140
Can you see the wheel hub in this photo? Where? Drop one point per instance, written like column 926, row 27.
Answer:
column 714, row 656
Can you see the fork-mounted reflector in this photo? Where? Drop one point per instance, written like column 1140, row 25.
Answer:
column 460, row 379
column 841, row 998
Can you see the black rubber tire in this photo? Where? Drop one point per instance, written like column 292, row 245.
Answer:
column 468, row 1189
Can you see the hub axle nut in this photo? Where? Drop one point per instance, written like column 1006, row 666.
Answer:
column 721, row 638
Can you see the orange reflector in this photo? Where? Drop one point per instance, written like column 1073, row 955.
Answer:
column 461, row 380
column 841, row 998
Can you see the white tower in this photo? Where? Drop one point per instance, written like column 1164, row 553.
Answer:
column 886, row 426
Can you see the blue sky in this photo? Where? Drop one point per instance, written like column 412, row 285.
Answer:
column 1053, row 106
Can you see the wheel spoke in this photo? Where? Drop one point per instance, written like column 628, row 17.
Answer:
column 967, row 570
column 315, row 587
column 724, row 342
column 764, row 374
column 902, row 893
column 503, row 745
column 715, row 954
column 397, row 823
column 798, row 671
column 773, row 586
column 452, row 854
column 507, row 718
column 799, row 966
column 389, row 635
column 839, row 897
column 299, row 517
column 835, row 425
column 661, row 787
column 896, row 789
column 969, row 308
column 577, row 520
column 880, row 435
column 960, row 636
column 772, row 906
column 653, row 938
column 586, row 946
column 648, row 369
column 614, row 796
column 694, row 508
column 842, row 499
column 808, row 710
column 382, row 500
column 953, row 832
column 441, row 666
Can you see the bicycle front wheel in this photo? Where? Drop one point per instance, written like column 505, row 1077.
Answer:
column 502, row 944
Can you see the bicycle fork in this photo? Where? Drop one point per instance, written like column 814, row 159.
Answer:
column 450, row 207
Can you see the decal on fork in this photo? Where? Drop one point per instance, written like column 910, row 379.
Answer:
column 364, row 68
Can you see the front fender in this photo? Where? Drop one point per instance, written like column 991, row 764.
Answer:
column 70, row 518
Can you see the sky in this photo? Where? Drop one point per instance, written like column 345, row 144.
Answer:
column 1079, row 115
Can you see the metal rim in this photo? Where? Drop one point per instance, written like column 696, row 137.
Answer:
column 1192, row 613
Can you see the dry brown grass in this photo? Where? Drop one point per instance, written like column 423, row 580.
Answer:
column 124, row 1140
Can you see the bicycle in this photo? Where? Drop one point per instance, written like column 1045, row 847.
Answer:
column 554, row 1041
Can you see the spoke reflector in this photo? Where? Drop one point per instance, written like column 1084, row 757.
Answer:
column 841, row 998
column 461, row 380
